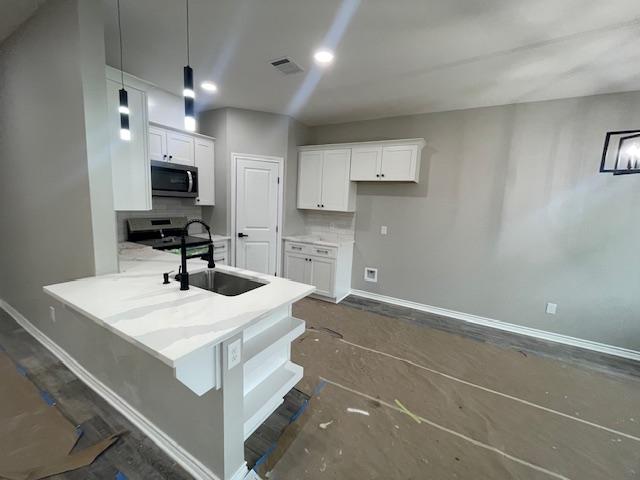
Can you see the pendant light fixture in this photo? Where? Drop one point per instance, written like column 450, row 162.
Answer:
column 123, row 108
column 189, row 92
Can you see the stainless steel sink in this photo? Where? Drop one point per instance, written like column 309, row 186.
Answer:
column 223, row 283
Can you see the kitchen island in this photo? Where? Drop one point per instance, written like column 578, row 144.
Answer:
column 225, row 358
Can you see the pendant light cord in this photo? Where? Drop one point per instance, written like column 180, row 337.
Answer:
column 120, row 35
column 188, row 46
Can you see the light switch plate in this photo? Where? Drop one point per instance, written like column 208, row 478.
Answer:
column 552, row 308
column 234, row 352
column 383, row 230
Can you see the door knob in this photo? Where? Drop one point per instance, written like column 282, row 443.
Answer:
column 242, row 235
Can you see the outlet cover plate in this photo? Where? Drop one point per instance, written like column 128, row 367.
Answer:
column 234, row 352
column 552, row 308
column 371, row 274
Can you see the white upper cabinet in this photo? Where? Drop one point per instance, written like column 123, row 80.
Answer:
column 366, row 162
column 400, row 163
column 323, row 180
column 310, row 180
column 167, row 145
column 204, row 160
column 336, row 187
column 393, row 161
column 157, row 144
column 131, row 170
column 180, row 148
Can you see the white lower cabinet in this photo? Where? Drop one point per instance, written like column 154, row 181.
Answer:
column 323, row 275
column 326, row 268
column 221, row 252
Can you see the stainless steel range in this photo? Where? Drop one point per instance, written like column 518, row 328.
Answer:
column 163, row 233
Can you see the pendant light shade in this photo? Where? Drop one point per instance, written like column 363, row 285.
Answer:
column 189, row 100
column 125, row 133
column 123, row 107
column 188, row 91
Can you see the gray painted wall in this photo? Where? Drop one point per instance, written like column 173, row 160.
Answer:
column 150, row 386
column 259, row 133
column 510, row 213
column 44, row 186
column 50, row 108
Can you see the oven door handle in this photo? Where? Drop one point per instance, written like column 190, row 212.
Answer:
column 190, row 188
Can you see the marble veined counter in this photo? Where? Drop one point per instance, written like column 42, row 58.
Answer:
column 168, row 323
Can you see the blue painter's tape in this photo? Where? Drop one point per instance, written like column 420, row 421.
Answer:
column 121, row 476
column 266, row 454
column 299, row 412
column 319, row 387
column 21, row 370
column 79, row 431
column 48, row 398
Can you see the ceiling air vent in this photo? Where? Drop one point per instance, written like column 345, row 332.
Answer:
column 286, row 66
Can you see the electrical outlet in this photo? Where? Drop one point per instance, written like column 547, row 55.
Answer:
column 371, row 274
column 234, row 352
column 552, row 308
column 383, row 230
column 52, row 314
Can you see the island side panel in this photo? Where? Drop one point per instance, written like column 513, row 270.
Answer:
column 196, row 423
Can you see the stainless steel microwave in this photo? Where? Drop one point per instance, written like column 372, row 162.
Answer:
column 173, row 180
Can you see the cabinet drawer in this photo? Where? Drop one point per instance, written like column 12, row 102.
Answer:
column 219, row 248
column 296, row 247
column 319, row 251
column 310, row 249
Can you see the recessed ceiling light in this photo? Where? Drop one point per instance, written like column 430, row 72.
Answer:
column 209, row 86
column 323, row 57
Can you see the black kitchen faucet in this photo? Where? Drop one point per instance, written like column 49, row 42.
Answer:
column 184, row 275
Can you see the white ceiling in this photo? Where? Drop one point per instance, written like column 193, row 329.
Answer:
column 13, row 13
column 392, row 57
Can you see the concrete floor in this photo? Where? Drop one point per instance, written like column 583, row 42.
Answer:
column 429, row 399
column 430, row 404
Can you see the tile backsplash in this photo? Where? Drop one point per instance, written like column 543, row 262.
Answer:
column 162, row 207
column 335, row 223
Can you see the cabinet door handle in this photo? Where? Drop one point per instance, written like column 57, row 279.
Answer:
column 322, row 251
column 378, row 175
column 318, row 205
column 293, row 247
column 322, row 205
column 171, row 156
column 382, row 174
column 164, row 156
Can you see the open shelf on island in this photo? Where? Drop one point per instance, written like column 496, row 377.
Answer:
column 263, row 400
column 287, row 329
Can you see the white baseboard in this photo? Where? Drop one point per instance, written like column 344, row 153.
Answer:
column 508, row 327
column 187, row 461
column 241, row 473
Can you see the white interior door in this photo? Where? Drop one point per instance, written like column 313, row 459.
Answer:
column 256, row 214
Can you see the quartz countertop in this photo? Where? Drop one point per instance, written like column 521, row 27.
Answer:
column 163, row 320
column 319, row 239
column 215, row 238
